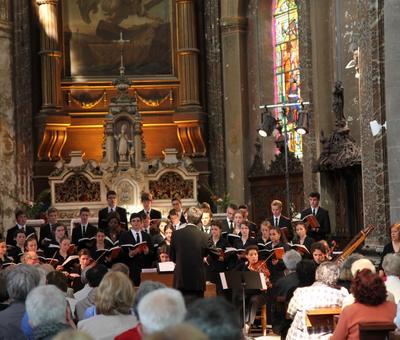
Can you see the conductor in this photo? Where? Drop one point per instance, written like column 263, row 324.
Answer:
column 188, row 247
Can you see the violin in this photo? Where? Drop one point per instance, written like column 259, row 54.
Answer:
column 260, row 267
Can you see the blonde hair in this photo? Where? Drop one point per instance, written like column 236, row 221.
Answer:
column 115, row 294
column 276, row 203
column 395, row 225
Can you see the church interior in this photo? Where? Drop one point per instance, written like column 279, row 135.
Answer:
column 200, row 74
column 220, row 103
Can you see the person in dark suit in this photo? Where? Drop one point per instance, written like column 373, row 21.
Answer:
column 188, row 248
column 83, row 229
column 47, row 230
column 228, row 223
column 139, row 257
column 147, row 201
column 112, row 207
column 21, row 219
column 244, row 209
column 278, row 220
column 177, row 205
column 322, row 216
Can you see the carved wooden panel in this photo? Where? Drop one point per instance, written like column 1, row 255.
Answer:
column 265, row 189
column 171, row 184
column 77, row 188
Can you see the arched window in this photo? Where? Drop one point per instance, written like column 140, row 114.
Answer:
column 286, row 66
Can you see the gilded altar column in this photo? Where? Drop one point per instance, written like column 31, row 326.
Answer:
column 234, row 61
column 51, row 122
column 189, row 116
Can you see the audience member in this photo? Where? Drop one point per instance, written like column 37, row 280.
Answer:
column 4, row 297
column 113, row 301
column 391, row 267
column 94, row 276
column 216, row 318
column 322, row 293
column 72, row 335
column 393, row 246
column 370, row 306
column 170, row 310
column 345, row 275
column 20, row 281
column 47, row 311
column 181, row 331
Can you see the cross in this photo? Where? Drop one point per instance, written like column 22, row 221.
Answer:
column 121, row 42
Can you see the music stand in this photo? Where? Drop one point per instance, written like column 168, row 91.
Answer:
column 243, row 280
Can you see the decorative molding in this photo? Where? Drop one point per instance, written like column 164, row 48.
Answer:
column 155, row 102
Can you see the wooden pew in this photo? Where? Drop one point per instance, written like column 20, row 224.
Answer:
column 168, row 279
column 322, row 319
column 376, row 330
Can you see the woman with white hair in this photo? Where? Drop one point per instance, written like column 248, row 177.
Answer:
column 322, row 293
column 113, row 301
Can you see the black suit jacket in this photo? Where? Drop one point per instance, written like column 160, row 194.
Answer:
column 225, row 226
column 45, row 232
column 139, row 261
column 91, row 231
column 103, row 216
column 154, row 214
column 11, row 233
column 188, row 247
column 284, row 222
column 324, row 223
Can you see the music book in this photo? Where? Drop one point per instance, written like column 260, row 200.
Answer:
column 114, row 252
column 263, row 245
column 49, row 260
column 53, row 245
column 232, row 238
column 140, row 245
column 7, row 264
column 279, row 252
column 302, row 249
column 166, row 267
column 310, row 219
column 30, row 236
column 113, row 244
column 86, row 239
column 69, row 259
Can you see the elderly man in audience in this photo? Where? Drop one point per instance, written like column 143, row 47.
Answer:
column 391, row 267
column 47, row 312
column 216, row 318
column 145, row 288
column 345, row 275
column 20, row 281
column 114, row 299
column 370, row 306
column 182, row 331
column 160, row 309
column 322, row 293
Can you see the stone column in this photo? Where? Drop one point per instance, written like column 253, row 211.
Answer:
column 392, row 98
column 233, row 39
column 215, row 95
column 373, row 149
column 8, row 179
column 51, row 122
column 189, row 116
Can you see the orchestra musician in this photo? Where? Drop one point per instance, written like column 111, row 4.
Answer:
column 254, row 297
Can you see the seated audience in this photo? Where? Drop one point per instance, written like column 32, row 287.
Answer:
column 60, row 281
column 94, row 276
column 322, row 293
column 345, row 275
column 170, row 310
column 145, row 288
column 391, row 267
column 181, row 331
column 47, row 311
column 72, row 335
column 83, row 293
column 216, row 318
column 305, row 270
column 370, row 306
column 113, row 301
column 20, row 281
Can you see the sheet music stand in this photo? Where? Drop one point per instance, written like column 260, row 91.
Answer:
column 243, row 280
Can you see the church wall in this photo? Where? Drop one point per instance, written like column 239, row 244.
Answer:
column 8, row 148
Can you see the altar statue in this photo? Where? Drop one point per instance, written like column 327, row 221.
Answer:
column 123, row 143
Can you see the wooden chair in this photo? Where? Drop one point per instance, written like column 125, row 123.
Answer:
column 376, row 330
column 262, row 316
column 321, row 319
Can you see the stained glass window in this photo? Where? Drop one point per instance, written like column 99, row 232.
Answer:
column 286, row 66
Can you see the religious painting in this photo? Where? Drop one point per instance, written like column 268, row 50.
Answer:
column 92, row 27
column 287, row 66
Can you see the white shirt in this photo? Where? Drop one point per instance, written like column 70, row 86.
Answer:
column 134, row 233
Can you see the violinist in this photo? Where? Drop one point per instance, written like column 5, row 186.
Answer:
column 254, row 297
